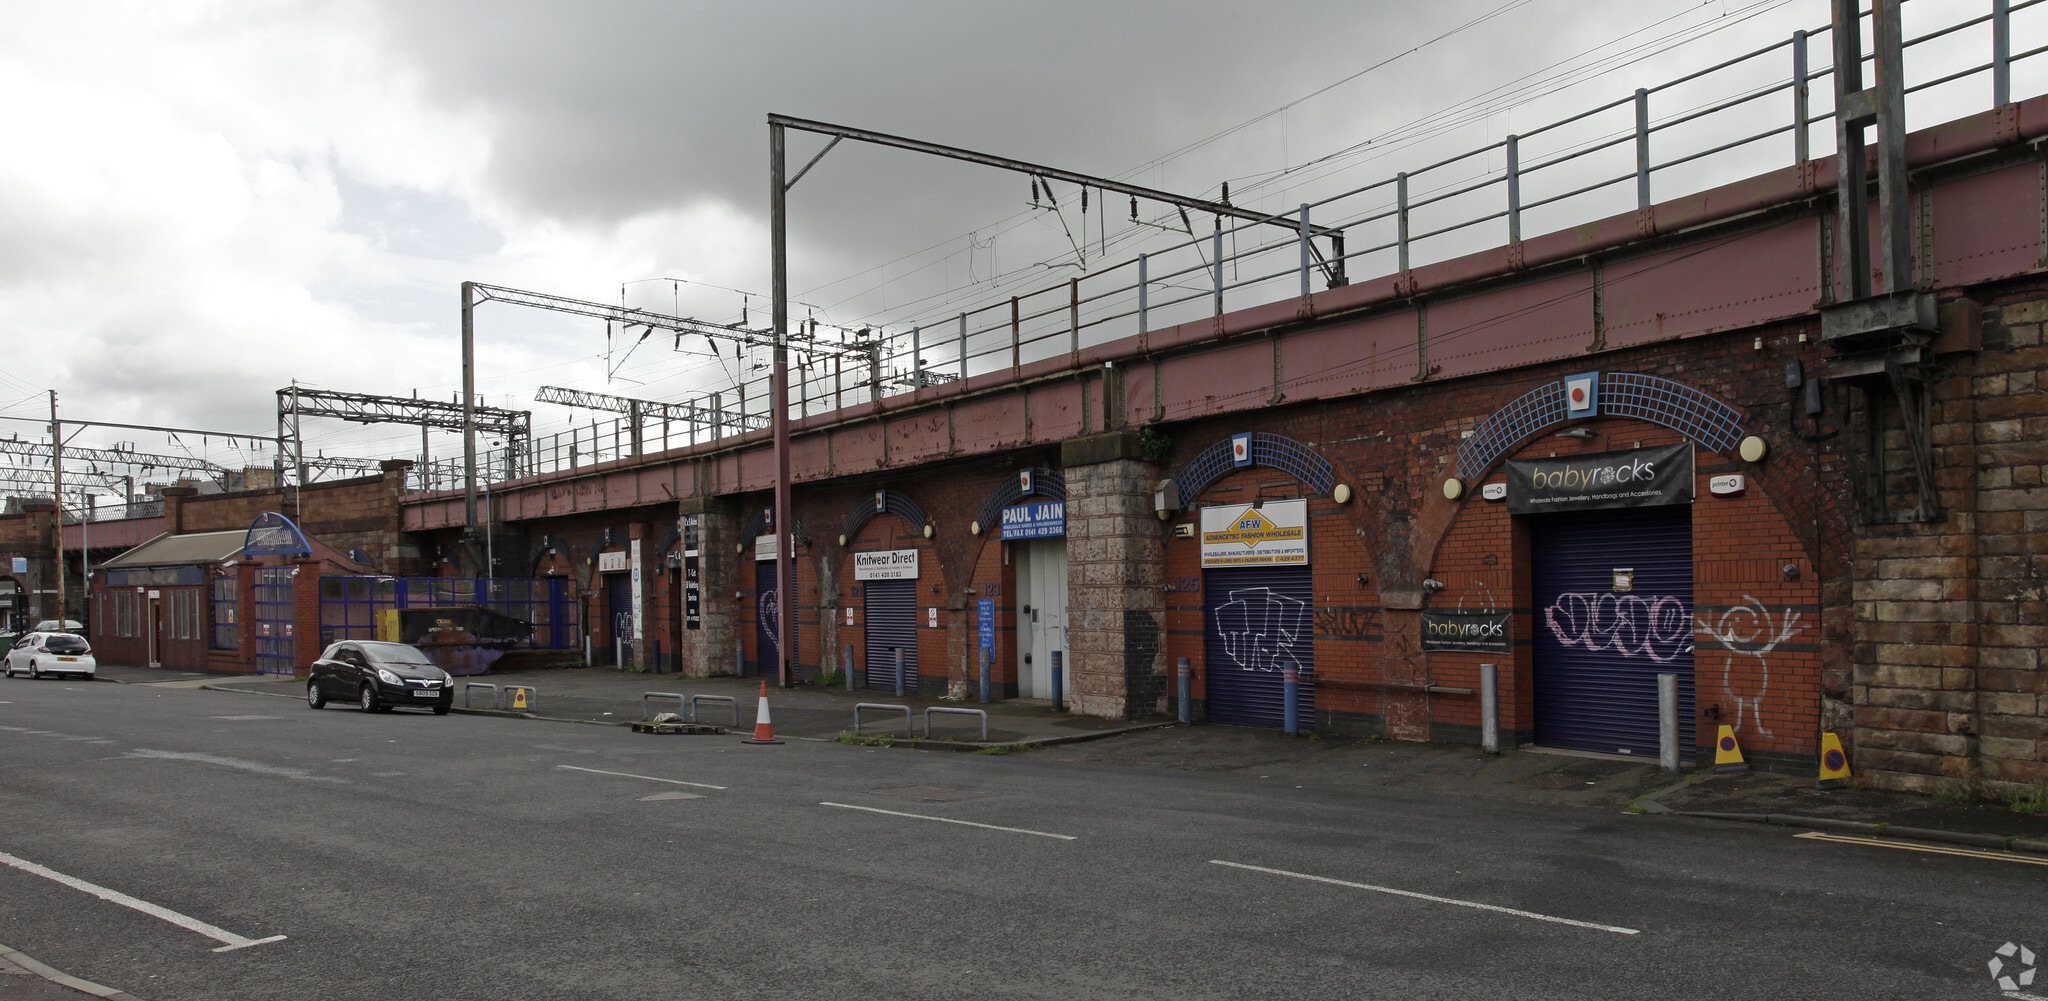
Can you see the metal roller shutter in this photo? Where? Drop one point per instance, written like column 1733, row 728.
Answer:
column 1255, row 620
column 767, row 619
column 891, row 610
column 1598, row 651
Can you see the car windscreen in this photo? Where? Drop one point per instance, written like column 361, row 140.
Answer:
column 65, row 643
column 394, row 653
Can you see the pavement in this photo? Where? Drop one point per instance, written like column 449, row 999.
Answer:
column 1527, row 775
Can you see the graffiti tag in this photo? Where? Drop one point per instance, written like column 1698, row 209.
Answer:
column 1262, row 630
column 1632, row 625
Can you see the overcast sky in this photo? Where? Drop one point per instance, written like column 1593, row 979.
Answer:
column 203, row 201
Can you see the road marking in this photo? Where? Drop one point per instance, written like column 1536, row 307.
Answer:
column 1931, row 849
column 1411, row 894
column 649, row 778
column 59, row 977
column 247, row 717
column 230, row 941
column 949, row 820
column 665, row 797
column 236, row 763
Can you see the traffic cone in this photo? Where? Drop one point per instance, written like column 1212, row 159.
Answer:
column 1834, row 765
column 1727, row 753
column 764, row 731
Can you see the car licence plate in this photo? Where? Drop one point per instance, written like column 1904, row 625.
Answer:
column 67, row 660
column 426, row 695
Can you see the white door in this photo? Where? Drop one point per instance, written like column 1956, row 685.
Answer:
column 1041, row 616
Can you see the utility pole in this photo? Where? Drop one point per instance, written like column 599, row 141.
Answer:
column 57, row 494
column 469, row 526
column 778, row 403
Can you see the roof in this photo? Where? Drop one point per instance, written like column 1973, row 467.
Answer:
column 180, row 550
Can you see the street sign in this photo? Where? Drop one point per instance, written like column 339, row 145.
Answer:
column 985, row 611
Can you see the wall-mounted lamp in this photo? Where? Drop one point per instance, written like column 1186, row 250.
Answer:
column 1342, row 493
column 1362, row 578
column 1432, row 585
column 1791, row 571
column 1160, row 499
column 929, row 531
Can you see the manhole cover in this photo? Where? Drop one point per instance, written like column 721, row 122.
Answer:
column 929, row 794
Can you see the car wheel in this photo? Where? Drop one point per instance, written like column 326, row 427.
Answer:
column 440, row 710
column 34, row 673
column 314, row 697
column 368, row 699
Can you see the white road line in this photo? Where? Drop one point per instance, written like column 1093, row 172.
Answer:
column 1475, row 905
column 949, row 820
column 648, row 778
column 230, row 941
column 1930, row 849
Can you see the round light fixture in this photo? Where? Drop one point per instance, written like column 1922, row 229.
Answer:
column 842, row 540
column 1753, row 449
column 1342, row 494
column 928, row 530
column 974, row 528
column 1454, row 488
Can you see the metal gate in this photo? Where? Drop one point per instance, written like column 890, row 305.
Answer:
column 1257, row 619
column 890, row 607
column 276, row 647
column 767, row 620
column 1613, row 596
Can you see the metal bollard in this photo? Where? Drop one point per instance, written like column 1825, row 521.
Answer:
column 846, row 667
column 1667, row 721
column 1290, row 689
column 899, row 670
column 1059, row 684
column 739, row 658
column 657, row 656
column 988, row 665
column 1187, row 691
column 1489, row 708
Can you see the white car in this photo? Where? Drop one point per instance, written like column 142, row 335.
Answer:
column 40, row 653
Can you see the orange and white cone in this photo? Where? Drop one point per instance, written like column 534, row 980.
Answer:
column 764, row 730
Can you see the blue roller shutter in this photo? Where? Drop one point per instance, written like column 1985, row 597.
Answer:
column 767, row 619
column 1255, row 620
column 891, row 612
column 1598, row 651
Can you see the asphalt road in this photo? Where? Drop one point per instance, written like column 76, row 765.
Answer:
column 410, row 856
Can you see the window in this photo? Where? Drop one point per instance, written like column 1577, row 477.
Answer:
column 224, row 635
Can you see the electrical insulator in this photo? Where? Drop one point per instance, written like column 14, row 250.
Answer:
column 1084, row 199
column 1134, row 208
column 1226, row 192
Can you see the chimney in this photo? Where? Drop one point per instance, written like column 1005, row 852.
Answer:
column 174, row 508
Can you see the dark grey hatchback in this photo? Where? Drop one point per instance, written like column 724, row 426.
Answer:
column 379, row 677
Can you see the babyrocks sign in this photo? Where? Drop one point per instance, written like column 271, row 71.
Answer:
column 1641, row 477
column 1240, row 535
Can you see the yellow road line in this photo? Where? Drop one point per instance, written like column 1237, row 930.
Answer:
column 1883, row 843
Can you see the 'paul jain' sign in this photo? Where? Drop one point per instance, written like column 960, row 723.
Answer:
column 1481, row 632
column 1272, row 534
column 889, row 564
column 1041, row 520
column 1642, row 477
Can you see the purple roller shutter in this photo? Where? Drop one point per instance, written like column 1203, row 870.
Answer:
column 1255, row 620
column 891, row 610
column 1598, row 649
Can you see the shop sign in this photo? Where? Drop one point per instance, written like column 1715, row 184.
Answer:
column 1042, row 520
column 1247, row 535
column 985, row 619
column 1479, row 632
column 764, row 547
column 1641, row 477
column 693, row 582
column 20, row 564
column 612, row 562
column 887, row 564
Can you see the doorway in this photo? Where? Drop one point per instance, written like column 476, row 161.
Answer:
column 1041, row 616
